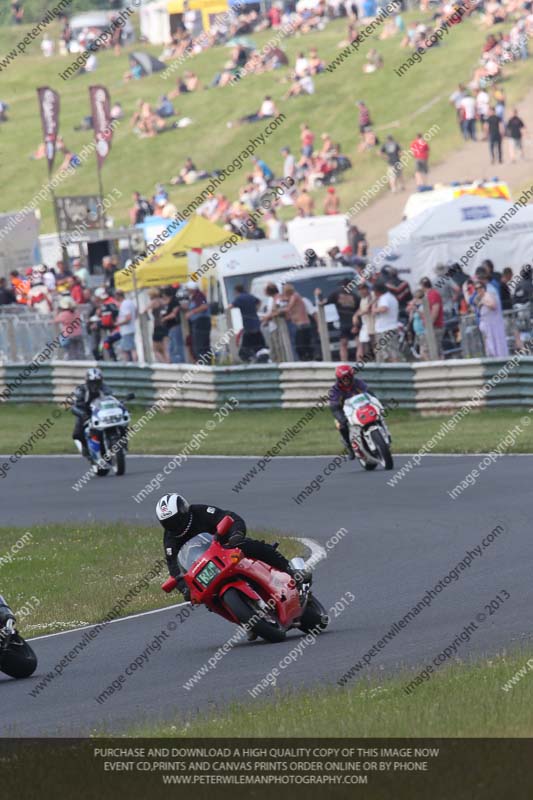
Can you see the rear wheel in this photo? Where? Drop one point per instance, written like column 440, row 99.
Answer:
column 383, row 449
column 252, row 617
column 315, row 617
column 18, row 660
column 368, row 465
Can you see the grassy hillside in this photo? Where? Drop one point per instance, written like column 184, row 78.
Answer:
column 402, row 106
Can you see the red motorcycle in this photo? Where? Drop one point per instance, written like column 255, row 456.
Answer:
column 265, row 601
column 369, row 434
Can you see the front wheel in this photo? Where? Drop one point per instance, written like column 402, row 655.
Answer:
column 252, row 617
column 315, row 617
column 119, row 462
column 18, row 660
column 384, row 453
column 101, row 471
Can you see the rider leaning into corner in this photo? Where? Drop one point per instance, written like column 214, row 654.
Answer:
column 84, row 395
column 5, row 613
column 182, row 521
column 345, row 386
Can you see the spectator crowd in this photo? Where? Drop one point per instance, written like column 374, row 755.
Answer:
column 101, row 322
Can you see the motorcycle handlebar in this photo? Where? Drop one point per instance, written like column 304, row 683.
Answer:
column 224, row 525
column 169, row 585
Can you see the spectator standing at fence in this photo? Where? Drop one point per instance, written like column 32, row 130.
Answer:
column 436, row 311
column 363, row 321
column 171, row 318
column 449, row 291
column 515, row 131
column 346, row 301
column 156, row 307
column 7, row 295
column 267, row 314
column 79, row 271
column 63, row 275
column 495, row 130
column 491, row 320
column 76, row 291
column 420, row 151
column 296, row 312
column 398, row 287
column 199, row 318
column 109, row 270
column 49, row 279
column 505, row 293
column 127, row 315
column 38, row 297
column 70, row 332
column 252, row 339
column 385, row 310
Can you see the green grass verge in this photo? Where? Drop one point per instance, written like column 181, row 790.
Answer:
column 463, row 700
column 78, row 573
column 403, row 106
column 169, row 432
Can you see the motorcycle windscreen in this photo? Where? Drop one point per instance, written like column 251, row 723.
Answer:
column 193, row 549
column 353, row 402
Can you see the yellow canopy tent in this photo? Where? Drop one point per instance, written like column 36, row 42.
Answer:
column 169, row 262
column 207, row 8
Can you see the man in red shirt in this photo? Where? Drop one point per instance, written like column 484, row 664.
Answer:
column 437, row 311
column 420, row 150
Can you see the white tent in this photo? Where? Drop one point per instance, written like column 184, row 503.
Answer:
column 500, row 230
column 155, row 22
column 441, row 193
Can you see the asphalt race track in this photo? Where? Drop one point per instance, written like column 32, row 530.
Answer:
column 401, row 541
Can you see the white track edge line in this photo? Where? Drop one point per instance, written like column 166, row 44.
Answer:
column 318, row 553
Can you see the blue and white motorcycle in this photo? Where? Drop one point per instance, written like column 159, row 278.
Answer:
column 106, row 435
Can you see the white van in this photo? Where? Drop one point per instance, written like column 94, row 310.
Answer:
column 319, row 233
column 240, row 265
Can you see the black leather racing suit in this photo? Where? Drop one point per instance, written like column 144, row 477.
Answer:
column 204, row 519
column 5, row 613
column 338, row 394
column 81, row 408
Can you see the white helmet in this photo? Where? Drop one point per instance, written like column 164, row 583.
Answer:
column 94, row 379
column 174, row 513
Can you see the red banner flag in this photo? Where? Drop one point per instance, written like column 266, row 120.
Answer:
column 49, row 108
column 101, row 114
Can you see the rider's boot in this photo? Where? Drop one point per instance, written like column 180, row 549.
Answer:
column 5, row 613
column 300, row 576
column 348, row 446
column 82, row 448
